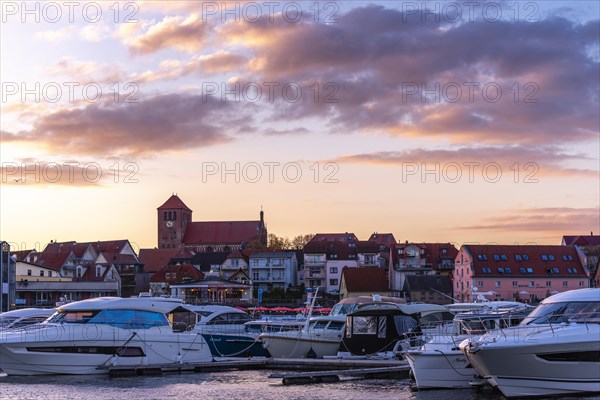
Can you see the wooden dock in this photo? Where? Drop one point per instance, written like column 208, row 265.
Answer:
column 332, row 376
column 318, row 370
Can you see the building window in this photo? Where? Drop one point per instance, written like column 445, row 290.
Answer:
column 580, row 283
column 507, row 271
column 333, row 270
column 544, row 257
column 518, row 257
column 551, row 257
column 164, row 215
column 333, row 282
column 503, row 257
column 565, row 284
column 497, row 284
column 515, row 284
column 496, row 257
column 525, row 257
column 50, row 274
column 548, row 284
column 42, row 273
column 522, row 270
column 531, row 284
column 98, row 271
column 28, row 272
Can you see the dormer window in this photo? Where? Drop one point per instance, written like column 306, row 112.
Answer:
column 503, row 257
column 544, row 257
column 496, row 257
column 518, row 257
column 525, row 257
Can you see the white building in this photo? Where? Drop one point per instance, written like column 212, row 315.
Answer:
column 274, row 269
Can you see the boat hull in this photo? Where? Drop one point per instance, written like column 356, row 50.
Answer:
column 300, row 347
column 443, row 369
column 522, row 367
column 224, row 345
column 83, row 351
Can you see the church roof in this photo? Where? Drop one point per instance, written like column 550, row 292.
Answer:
column 174, row 202
column 221, row 232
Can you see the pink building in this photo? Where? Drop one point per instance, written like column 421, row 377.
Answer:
column 508, row 272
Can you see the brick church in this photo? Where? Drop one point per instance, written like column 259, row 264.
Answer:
column 177, row 230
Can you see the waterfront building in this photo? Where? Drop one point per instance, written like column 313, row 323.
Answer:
column 518, row 272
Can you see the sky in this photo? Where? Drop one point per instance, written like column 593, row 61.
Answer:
column 438, row 121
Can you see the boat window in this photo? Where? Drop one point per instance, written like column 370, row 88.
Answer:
column 336, row 325
column 6, row 321
column 129, row 319
column 218, row 320
column 364, row 325
column 320, row 325
column 577, row 312
column 238, row 318
column 73, row 317
column 404, row 323
column 343, row 309
column 381, row 327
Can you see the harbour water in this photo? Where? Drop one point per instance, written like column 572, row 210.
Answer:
column 230, row 385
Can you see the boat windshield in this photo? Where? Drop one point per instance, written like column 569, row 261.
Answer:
column 575, row 312
column 343, row 309
column 125, row 319
column 6, row 321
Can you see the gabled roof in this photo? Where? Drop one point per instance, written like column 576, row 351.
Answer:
column 90, row 274
column 114, row 246
column 155, row 259
column 120, row 259
column 55, row 261
column 484, row 257
column 386, row 239
column 237, row 254
column 21, row 255
column 221, row 232
column 181, row 271
column 365, row 279
column 440, row 283
column 582, row 240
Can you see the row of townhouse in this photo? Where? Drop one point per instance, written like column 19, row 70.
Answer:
column 70, row 271
column 441, row 273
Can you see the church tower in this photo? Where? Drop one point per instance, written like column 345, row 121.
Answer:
column 173, row 218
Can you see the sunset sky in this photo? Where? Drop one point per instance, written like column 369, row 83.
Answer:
column 472, row 122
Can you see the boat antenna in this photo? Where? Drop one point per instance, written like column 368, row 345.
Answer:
column 444, row 294
column 310, row 311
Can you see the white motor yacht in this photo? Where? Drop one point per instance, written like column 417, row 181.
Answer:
column 89, row 336
column 439, row 363
column 24, row 316
column 555, row 351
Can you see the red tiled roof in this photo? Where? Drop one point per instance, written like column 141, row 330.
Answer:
column 182, row 271
column 174, row 202
column 386, row 239
column 237, row 254
column 221, row 232
column 365, row 279
column 582, row 240
column 21, row 255
column 155, row 259
column 79, row 248
column 90, row 275
column 535, row 262
column 54, row 261
column 328, row 237
column 118, row 258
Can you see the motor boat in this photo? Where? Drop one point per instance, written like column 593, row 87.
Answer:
column 439, row 363
column 230, row 332
column 555, row 351
column 90, row 336
column 25, row 316
column 319, row 338
column 382, row 327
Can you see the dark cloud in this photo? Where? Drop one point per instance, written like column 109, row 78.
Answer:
column 162, row 123
column 547, row 76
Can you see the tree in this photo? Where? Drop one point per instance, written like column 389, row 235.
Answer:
column 300, row 241
column 278, row 243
